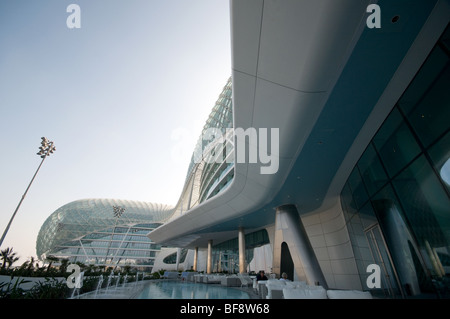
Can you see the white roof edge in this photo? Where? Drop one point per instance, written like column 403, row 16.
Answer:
column 252, row 108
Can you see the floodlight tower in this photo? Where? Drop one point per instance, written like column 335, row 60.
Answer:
column 117, row 212
column 47, row 147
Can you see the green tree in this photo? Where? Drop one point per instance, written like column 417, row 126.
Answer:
column 63, row 266
column 91, row 269
column 8, row 258
column 51, row 259
column 27, row 268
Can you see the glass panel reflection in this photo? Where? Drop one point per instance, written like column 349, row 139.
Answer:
column 430, row 113
column 372, row 171
column 405, row 172
column 440, row 155
column 395, row 143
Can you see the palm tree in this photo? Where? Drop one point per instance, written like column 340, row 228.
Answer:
column 90, row 269
column 8, row 257
column 82, row 265
column 31, row 263
column 63, row 266
column 27, row 268
column 51, row 260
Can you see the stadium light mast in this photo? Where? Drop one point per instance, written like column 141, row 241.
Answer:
column 117, row 212
column 47, row 147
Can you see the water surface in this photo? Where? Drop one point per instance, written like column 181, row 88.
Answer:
column 168, row 289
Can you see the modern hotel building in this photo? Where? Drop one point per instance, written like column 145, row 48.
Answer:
column 363, row 148
column 103, row 232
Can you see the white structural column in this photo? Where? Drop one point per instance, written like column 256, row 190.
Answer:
column 195, row 259
column 209, row 260
column 290, row 230
column 241, row 238
column 178, row 258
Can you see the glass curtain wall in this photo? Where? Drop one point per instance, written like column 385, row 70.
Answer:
column 397, row 199
column 114, row 247
column 89, row 231
column 226, row 254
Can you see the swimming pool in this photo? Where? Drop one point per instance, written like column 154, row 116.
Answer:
column 168, row 289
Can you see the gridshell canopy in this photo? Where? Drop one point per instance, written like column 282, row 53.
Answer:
column 213, row 172
column 80, row 219
column 221, row 117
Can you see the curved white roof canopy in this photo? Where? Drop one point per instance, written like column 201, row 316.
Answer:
column 289, row 59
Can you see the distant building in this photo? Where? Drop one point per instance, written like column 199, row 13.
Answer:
column 89, row 231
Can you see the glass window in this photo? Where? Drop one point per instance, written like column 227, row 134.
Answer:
column 431, row 116
column 402, row 247
column 384, row 201
column 395, row 143
column 425, row 202
column 445, row 39
column 405, row 171
column 427, row 207
column 348, row 204
column 367, row 216
column 440, row 155
column 423, row 81
column 372, row 171
column 356, row 185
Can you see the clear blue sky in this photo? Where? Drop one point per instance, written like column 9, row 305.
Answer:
column 124, row 98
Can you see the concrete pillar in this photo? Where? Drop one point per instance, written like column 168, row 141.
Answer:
column 178, row 259
column 400, row 243
column 209, row 258
column 195, row 259
column 241, row 240
column 289, row 229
